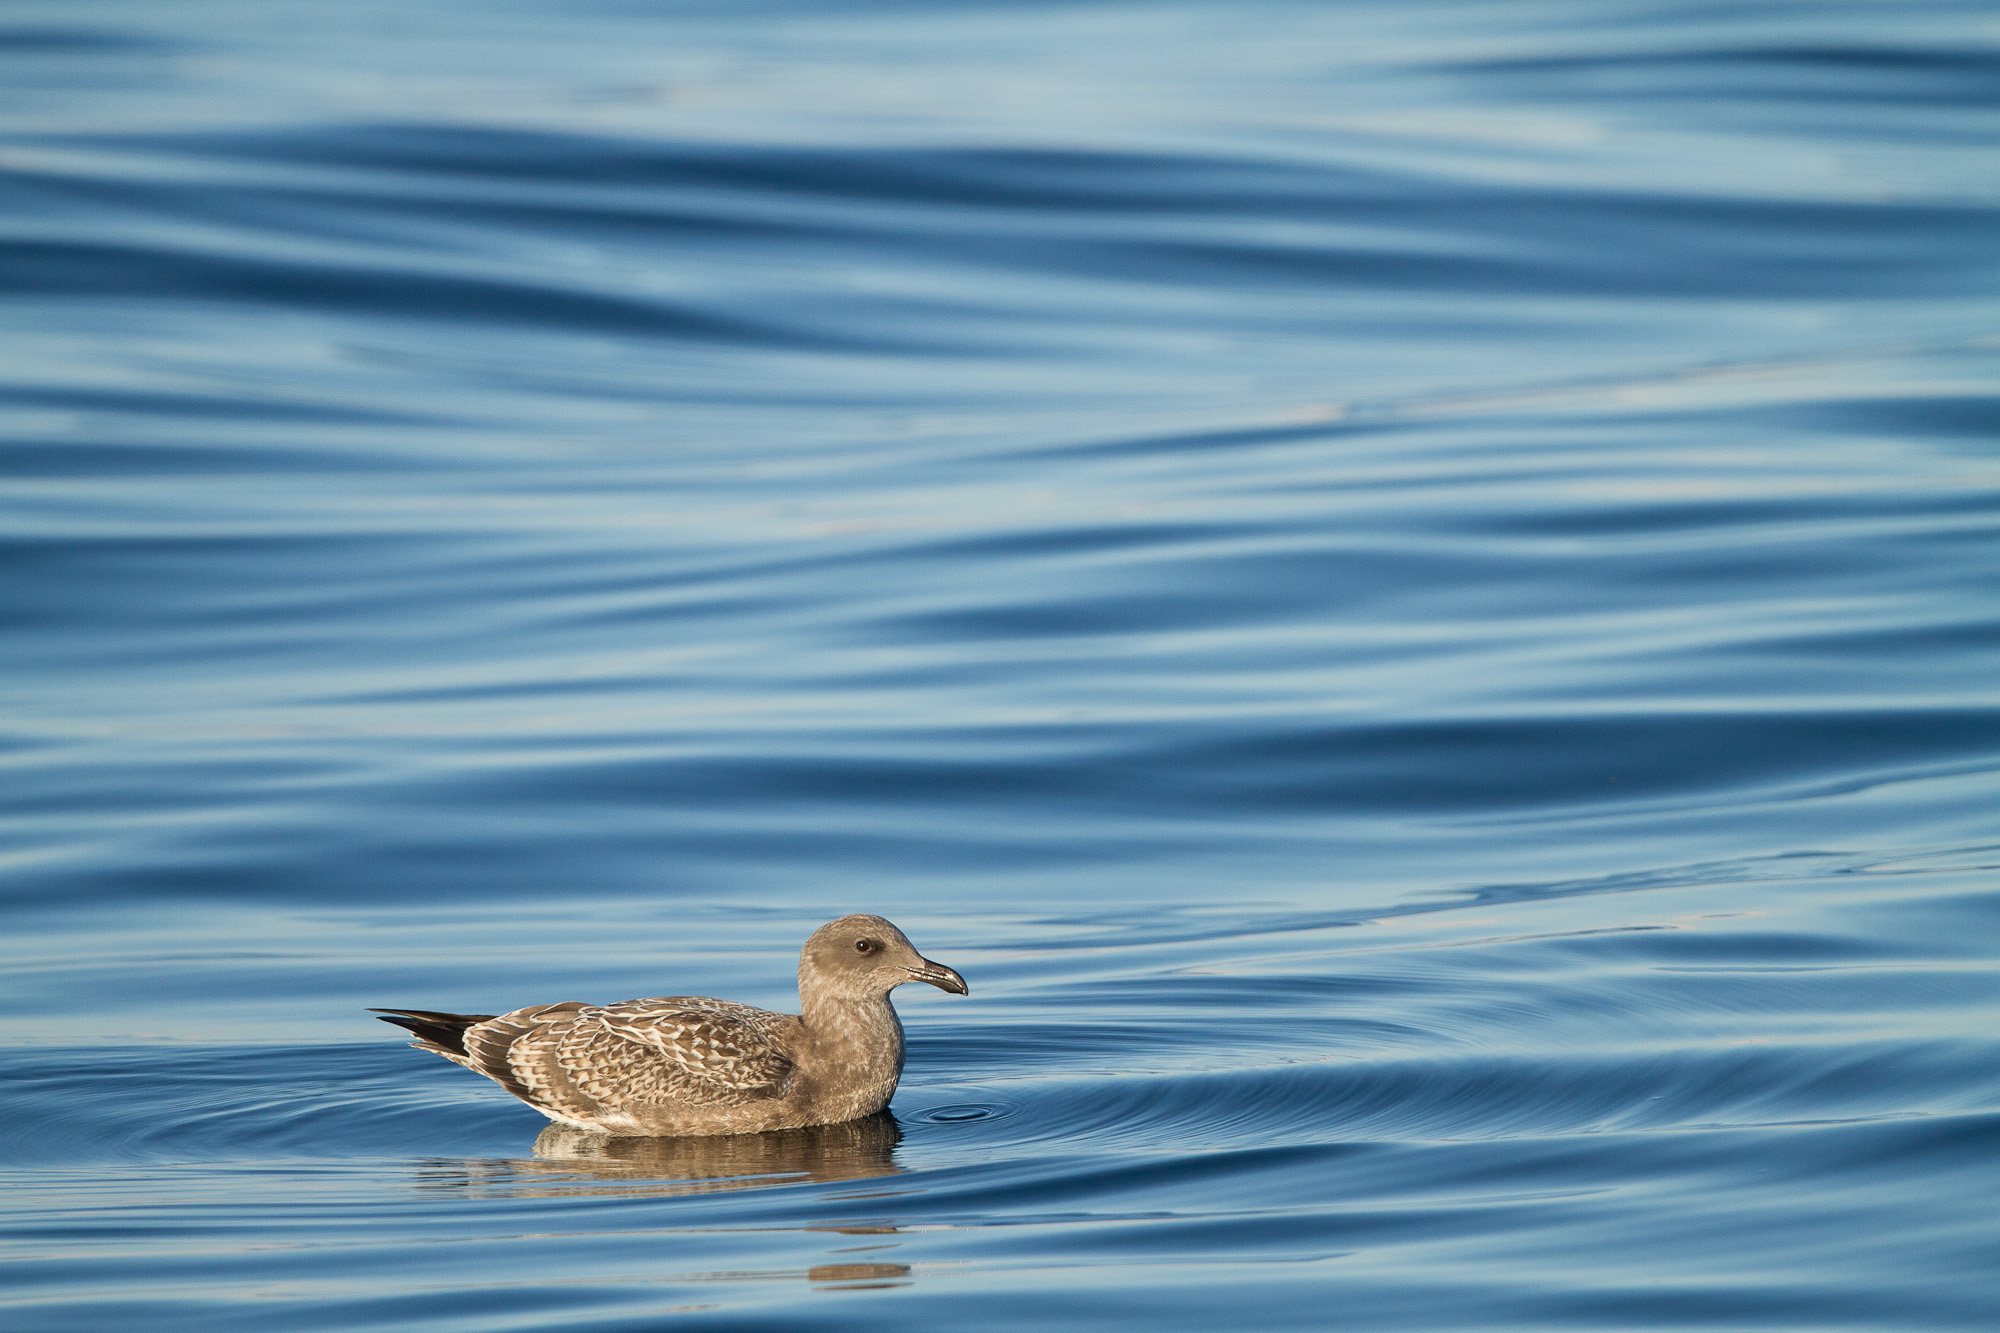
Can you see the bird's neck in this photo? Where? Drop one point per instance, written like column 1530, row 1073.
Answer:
column 862, row 1035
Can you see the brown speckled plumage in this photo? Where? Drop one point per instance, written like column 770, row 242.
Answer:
column 686, row 1064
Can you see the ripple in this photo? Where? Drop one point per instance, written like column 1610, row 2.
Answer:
column 961, row 1112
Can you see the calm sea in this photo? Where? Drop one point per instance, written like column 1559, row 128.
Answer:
column 1409, row 588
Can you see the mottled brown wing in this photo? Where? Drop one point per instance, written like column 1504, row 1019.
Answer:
column 678, row 1048
column 513, row 1051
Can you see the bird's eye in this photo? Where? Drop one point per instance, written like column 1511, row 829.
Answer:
column 865, row 946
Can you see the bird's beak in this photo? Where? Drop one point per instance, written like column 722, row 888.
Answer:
column 940, row 976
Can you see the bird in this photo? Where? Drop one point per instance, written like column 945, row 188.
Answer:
column 690, row 1065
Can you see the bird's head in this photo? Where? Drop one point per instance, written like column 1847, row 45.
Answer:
column 863, row 957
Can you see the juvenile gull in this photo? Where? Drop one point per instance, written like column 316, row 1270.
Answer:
column 686, row 1064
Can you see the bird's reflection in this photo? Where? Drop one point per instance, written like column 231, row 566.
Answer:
column 567, row 1160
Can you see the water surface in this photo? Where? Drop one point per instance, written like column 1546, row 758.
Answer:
column 1407, row 589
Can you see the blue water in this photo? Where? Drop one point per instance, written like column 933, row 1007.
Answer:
column 1410, row 590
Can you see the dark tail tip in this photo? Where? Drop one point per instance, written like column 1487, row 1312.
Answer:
column 446, row 1030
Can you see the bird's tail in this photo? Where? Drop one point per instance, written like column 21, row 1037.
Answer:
column 443, row 1031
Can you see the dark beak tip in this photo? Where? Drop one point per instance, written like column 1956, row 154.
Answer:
column 944, row 978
